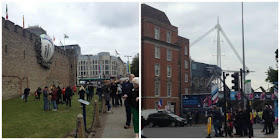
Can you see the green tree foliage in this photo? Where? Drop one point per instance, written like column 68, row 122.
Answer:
column 272, row 74
column 135, row 65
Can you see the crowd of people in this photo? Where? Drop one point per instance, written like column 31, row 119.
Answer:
column 115, row 93
column 242, row 121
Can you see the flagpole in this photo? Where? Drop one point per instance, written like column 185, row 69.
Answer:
column 64, row 42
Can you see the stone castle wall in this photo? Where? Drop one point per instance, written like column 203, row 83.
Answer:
column 19, row 63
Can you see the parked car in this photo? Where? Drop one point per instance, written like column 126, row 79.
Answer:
column 162, row 119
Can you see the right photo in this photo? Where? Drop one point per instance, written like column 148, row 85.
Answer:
column 209, row 70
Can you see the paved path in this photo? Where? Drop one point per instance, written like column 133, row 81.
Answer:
column 195, row 131
column 115, row 123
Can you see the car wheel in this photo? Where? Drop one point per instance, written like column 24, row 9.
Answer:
column 151, row 124
column 173, row 124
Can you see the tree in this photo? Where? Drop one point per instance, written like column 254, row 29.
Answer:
column 135, row 65
column 272, row 74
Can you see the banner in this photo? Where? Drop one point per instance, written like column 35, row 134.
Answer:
column 196, row 101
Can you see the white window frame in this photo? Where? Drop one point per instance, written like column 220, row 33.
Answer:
column 186, row 64
column 186, row 77
column 157, row 33
column 169, row 57
column 186, row 50
column 157, row 95
column 168, row 36
column 157, row 52
column 157, row 74
column 170, row 89
column 170, row 71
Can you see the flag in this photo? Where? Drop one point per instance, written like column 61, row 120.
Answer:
column 53, row 38
column 6, row 11
column 215, row 94
column 117, row 52
column 66, row 36
column 23, row 21
column 160, row 103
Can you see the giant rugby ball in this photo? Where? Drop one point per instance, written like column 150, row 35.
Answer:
column 47, row 47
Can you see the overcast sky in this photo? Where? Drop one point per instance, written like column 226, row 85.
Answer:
column 96, row 27
column 260, row 27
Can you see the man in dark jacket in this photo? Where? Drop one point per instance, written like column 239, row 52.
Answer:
column 26, row 93
column 54, row 98
column 266, row 119
column 82, row 94
column 59, row 92
column 114, row 87
column 127, row 89
column 68, row 95
column 216, row 119
column 39, row 91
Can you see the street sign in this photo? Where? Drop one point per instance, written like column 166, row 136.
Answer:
column 83, row 102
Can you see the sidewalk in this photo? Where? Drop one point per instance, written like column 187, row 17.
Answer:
column 114, row 125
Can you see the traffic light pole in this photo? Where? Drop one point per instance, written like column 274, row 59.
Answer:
column 225, row 102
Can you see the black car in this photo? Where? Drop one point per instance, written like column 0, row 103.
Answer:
column 165, row 119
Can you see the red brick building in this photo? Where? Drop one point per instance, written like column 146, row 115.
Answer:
column 165, row 61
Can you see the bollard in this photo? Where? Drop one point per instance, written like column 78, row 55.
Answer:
column 97, row 122
column 80, row 127
column 103, row 105
column 209, row 127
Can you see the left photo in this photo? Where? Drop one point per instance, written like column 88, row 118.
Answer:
column 70, row 70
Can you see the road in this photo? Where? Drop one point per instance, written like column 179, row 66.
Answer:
column 195, row 131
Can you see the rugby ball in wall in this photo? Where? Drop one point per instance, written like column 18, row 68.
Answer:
column 47, row 47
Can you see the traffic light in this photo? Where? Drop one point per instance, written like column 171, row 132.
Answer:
column 235, row 81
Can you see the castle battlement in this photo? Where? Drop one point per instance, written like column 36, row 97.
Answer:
column 11, row 27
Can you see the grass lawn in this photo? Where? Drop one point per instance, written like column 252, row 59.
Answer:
column 29, row 120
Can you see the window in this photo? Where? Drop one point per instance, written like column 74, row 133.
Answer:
column 186, row 91
column 157, row 89
column 157, row 33
column 157, row 70
column 106, row 61
column 168, row 71
column 157, row 52
column 169, row 55
column 106, row 67
column 186, row 64
column 168, row 37
column 186, row 77
column 169, row 89
column 186, row 50
column 107, row 72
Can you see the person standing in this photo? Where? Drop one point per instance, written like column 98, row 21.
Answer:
column 189, row 118
column 63, row 94
column 87, row 92
column 59, row 92
column 196, row 117
column 39, row 91
column 106, row 91
column 54, row 98
column 216, row 119
column 266, row 119
column 91, row 92
column 26, row 93
column 68, row 95
column 127, row 89
column 82, row 94
column 45, row 97
column 133, row 99
column 99, row 92
column 114, row 88
column 119, row 94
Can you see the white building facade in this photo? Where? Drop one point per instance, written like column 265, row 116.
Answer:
column 102, row 65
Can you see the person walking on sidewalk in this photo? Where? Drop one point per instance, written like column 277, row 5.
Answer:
column 133, row 99
column 119, row 94
column 106, row 91
column 127, row 89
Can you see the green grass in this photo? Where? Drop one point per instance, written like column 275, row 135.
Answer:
column 29, row 120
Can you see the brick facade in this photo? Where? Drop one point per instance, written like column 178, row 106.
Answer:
column 150, row 19
column 19, row 63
